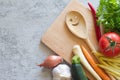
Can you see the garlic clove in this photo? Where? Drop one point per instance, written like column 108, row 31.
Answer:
column 61, row 72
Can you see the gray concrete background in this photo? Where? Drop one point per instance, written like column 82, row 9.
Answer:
column 22, row 24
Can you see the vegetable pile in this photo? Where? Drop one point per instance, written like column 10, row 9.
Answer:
column 108, row 14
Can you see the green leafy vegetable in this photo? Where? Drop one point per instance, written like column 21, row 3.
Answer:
column 108, row 14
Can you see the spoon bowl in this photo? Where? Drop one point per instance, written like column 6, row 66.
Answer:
column 77, row 25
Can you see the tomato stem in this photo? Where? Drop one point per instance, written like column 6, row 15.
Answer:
column 112, row 43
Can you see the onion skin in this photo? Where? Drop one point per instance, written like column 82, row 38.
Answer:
column 51, row 61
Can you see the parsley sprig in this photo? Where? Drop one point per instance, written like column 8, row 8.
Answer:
column 108, row 13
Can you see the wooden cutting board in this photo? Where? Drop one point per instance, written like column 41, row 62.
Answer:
column 59, row 39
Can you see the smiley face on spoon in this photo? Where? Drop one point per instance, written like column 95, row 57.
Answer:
column 77, row 25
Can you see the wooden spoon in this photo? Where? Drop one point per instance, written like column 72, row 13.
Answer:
column 77, row 25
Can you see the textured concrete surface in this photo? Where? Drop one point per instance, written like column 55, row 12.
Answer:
column 22, row 23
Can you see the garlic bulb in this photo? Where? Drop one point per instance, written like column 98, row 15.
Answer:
column 61, row 72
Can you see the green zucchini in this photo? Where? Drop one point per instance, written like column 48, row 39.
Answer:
column 77, row 70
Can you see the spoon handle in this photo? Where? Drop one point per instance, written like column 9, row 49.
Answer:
column 90, row 44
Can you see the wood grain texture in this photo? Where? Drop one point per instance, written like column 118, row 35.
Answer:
column 59, row 39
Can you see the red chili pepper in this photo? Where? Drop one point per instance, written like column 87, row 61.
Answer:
column 97, row 28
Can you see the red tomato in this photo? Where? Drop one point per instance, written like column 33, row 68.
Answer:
column 109, row 44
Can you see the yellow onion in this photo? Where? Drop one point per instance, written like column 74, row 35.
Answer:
column 51, row 61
